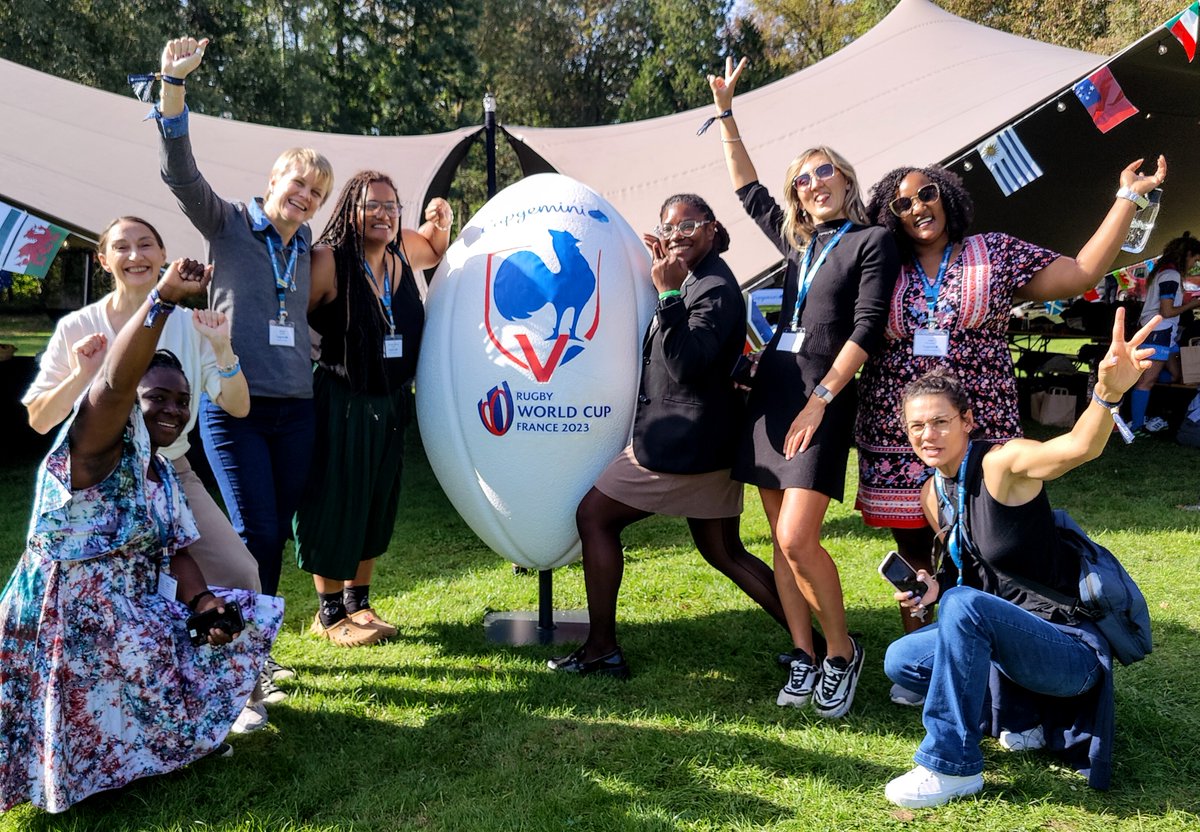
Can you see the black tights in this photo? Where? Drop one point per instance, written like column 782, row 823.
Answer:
column 601, row 520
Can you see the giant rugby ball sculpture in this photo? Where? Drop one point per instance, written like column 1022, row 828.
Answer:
column 529, row 366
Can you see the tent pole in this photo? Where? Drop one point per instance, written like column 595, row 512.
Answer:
column 489, row 128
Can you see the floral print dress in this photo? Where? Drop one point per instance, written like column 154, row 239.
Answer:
column 974, row 305
column 99, row 684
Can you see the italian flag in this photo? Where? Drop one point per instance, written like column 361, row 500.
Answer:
column 1184, row 26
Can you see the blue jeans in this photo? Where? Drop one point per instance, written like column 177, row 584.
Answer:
column 261, row 465
column 950, row 662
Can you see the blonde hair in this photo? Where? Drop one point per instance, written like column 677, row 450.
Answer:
column 798, row 226
column 306, row 157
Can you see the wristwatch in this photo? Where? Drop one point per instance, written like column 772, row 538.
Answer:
column 823, row 393
column 1133, row 196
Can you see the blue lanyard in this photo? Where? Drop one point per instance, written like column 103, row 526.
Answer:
column 164, row 524
column 386, row 292
column 284, row 281
column 958, row 531
column 808, row 270
column 933, row 289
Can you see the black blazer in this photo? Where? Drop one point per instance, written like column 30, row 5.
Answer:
column 688, row 411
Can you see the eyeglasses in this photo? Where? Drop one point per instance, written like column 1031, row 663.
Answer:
column 936, row 426
column 927, row 194
column 821, row 172
column 687, row 228
column 392, row 209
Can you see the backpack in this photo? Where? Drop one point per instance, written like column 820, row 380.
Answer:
column 1108, row 596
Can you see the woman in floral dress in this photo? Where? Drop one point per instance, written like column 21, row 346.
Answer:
column 951, row 307
column 99, row 682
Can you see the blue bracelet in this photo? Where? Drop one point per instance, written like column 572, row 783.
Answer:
column 175, row 82
column 158, row 307
column 230, row 371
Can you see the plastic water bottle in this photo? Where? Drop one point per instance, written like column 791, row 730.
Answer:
column 1143, row 224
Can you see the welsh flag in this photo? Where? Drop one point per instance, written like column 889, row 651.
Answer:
column 1185, row 26
column 27, row 243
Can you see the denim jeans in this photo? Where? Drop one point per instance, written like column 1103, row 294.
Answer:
column 261, row 465
column 950, row 662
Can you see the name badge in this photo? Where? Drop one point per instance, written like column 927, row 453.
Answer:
column 168, row 587
column 791, row 340
column 932, row 342
column 281, row 334
column 393, row 346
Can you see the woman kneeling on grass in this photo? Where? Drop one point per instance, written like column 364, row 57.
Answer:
column 997, row 525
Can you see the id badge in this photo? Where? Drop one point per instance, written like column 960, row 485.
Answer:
column 168, row 587
column 281, row 333
column 393, row 346
column 791, row 340
column 932, row 342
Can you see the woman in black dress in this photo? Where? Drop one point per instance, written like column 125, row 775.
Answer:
column 684, row 432
column 840, row 275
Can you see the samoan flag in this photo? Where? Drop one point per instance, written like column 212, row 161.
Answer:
column 1185, row 26
column 1104, row 99
column 1008, row 161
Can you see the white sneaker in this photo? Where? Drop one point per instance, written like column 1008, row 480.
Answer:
column 802, row 678
column 1157, row 424
column 252, row 718
column 1030, row 740
column 903, row 696
column 922, row 788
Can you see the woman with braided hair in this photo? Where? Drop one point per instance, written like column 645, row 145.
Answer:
column 366, row 305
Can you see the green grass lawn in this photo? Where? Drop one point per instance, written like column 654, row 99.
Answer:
column 440, row 730
column 28, row 332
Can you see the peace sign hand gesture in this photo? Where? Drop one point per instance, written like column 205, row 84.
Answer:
column 722, row 87
column 182, row 55
column 1125, row 361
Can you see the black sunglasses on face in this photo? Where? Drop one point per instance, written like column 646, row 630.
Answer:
column 927, row 194
column 821, row 172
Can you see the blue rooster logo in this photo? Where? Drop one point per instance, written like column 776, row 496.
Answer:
column 523, row 285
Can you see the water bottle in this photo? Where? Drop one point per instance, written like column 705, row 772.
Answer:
column 1143, row 224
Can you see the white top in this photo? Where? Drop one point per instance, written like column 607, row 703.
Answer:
column 178, row 335
column 1170, row 281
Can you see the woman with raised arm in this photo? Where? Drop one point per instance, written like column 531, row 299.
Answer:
column 101, row 683
column 989, row 503
column 951, row 308
column 261, row 252
column 840, row 273
column 684, row 432
column 366, row 305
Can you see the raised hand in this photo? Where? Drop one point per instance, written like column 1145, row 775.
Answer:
column 666, row 270
column 1125, row 361
column 182, row 55
column 439, row 212
column 1143, row 183
column 213, row 326
column 722, row 87
column 87, row 354
column 184, row 278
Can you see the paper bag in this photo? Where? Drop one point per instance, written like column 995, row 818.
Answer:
column 1189, row 362
column 1055, row 406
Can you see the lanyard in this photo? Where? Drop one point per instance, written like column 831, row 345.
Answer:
column 386, row 292
column 284, row 281
column 164, row 524
column 958, row 531
column 934, row 288
column 808, row 270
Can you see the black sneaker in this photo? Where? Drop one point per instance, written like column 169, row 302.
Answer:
column 839, row 679
column 277, row 671
column 272, row 694
column 802, row 678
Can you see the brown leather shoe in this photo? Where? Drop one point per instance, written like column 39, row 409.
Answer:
column 370, row 618
column 345, row 633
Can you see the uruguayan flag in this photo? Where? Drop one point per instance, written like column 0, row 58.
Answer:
column 1008, row 160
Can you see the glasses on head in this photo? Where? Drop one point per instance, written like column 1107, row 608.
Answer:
column 936, row 426
column 820, row 172
column 392, row 209
column 687, row 228
column 927, row 194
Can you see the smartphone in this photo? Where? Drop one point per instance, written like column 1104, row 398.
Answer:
column 896, row 571
column 230, row 621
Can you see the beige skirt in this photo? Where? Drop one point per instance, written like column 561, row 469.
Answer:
column 703, row 496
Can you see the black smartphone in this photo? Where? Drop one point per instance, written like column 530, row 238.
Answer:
column 899, row 574
column 230, row 621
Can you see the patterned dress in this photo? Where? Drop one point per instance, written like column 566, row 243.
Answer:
column 974, row 305
column 99, row 684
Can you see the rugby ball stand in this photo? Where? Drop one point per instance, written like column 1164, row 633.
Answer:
column 545, row 626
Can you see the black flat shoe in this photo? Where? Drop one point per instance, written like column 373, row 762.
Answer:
column 612, row 665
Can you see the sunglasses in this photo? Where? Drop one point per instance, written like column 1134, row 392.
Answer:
column 927, row 194
column 687, row 228
column 821, row 172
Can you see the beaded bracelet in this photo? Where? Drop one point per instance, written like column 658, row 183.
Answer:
column 230, row 371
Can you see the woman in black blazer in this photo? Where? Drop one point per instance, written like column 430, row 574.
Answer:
column 684, row 432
